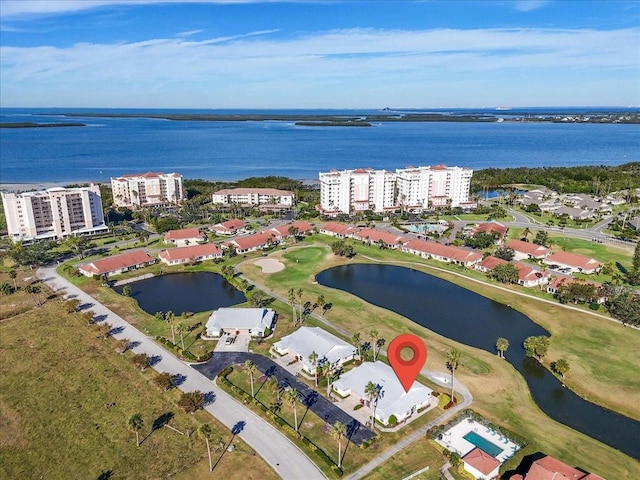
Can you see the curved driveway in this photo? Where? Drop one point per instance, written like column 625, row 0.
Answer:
column 283, row 456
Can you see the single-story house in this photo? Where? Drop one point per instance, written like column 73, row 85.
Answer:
column 480, row 464
column 443, row 253
column 185, row 236
column 339, row 230
column 252, row 243
column 393, row 400
column 374, row 237
column 574, row 213
column 527, row 275
column 230, row 227
column 523, row 250
column 117, row 264
column 192, row 253
column 301, row 343
column 575, row 261
column 240, row 321
column 634, row 223
column 498, row 230
column 302, row 228
column 549, row 468
column 557, row 282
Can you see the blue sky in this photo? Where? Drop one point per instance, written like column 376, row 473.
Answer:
column 319, row 54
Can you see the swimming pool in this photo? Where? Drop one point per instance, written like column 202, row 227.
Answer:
column 483, row 444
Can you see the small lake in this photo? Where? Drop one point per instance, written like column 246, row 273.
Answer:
column 184, row 292
column 472, row 319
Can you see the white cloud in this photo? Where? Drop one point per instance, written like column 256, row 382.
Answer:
column 257, row 67
column 18, row 8
column 530, row 5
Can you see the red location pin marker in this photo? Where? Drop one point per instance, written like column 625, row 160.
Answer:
column 407, row 370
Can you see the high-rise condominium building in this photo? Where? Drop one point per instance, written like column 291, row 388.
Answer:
column 147, row 189
column 54, row 213
column 414, row 189
column 424, row 188
column 351, row 191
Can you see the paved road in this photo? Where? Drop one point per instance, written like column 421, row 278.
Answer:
column 309, row 398
column 284, row 457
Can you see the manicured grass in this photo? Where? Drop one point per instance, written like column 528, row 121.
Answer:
column 600, row 251
column 417, row 456
column 65, row 397
column 500, row 392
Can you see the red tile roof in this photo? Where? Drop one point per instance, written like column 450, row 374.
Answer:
column 144, row 175
column 556, row 282
column 491, row 227
column 574, row 260
column 283, row 230
column 491, row 262
column 549, row 468
column 376, row 235
column 528, row 248
column 117, row 262
column 234, row 224
column 481, row 461
column 252, row 241
column 527, row 273
column 192, row 251
column 183, row 234
column 445, row 251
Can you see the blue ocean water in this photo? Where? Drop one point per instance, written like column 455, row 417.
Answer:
column 109, row 147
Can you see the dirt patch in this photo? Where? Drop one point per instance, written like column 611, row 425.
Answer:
column 269, row 265
column 10, row 427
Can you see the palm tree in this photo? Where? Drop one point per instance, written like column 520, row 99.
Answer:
column 453, row 360
column 251, row 369
column 501, row 345
column 379, row 343
column 373, row 392
column 299, row 294
column 327, row 371
column 373, row 334
column 292, row 302
column 321, row 302
column 205, row 431
column 339, row 431
column 291, row 398
column 561, row 366
column 357, row 343
column 525, row 233
column 180, row 329
column 169, row 318
column 135, row 423
column 313, row 358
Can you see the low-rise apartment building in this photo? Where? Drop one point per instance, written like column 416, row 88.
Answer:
column 54, row 213
column 254, row 196
column 147, row 189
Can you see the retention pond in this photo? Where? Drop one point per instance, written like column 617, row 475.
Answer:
column 184, row 292
column 472, row 319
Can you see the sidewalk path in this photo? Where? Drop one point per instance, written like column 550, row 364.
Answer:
column 282, row 455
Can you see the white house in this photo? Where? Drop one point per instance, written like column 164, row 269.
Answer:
column 480, row 464
column 240, row 321
column 301, row 343
column 393, row 401
column 117, row 264
column 574, row 261
column 230, row 227
column 192, row 253
column 185, row 236
column 525, row 250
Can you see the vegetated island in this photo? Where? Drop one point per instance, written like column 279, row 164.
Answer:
column 40, row 125
column 386, row 117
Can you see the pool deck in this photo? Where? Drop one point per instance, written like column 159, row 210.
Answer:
column 453, row 439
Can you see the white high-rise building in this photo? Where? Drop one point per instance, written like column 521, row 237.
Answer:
column 351, row 191
column 424, row 188
column 414, row 189
column 54, row 213
column 147, row 189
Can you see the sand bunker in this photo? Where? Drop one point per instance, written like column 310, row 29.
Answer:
column 269, row 265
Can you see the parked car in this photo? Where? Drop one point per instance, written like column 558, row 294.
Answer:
column 228, row 340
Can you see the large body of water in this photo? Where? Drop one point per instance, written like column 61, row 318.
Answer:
column 109, row 147
column 472, row 319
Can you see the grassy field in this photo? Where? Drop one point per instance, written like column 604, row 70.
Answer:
column 500, row 392
column 66, row 395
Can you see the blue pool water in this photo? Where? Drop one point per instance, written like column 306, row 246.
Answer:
column 483, row 444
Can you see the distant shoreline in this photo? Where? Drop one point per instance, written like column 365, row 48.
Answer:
column 40, row 125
